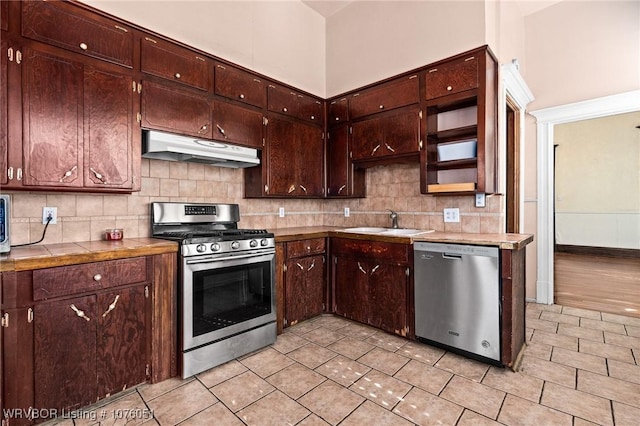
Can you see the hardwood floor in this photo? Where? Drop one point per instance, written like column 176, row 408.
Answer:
column 600, row 283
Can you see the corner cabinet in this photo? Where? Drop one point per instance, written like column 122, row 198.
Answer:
column 371, row 283
column 461, row 125
column 77, row 334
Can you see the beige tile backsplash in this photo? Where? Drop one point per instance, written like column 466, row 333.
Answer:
column 83, row 217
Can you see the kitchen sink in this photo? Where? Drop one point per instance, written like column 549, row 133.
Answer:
column 366, row 230
column 399, row 232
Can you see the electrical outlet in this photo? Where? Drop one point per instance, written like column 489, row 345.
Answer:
column 281, row 212
column 452, row 215
column 346, row 212
column 480, row 200
column 50, row 212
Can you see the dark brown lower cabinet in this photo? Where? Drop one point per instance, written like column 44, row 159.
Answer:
column 371, row 283
column 89, row 336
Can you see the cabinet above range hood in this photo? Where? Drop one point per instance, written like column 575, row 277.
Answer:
column 167, row 146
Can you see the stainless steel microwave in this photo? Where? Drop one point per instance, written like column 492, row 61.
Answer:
column 5, row 215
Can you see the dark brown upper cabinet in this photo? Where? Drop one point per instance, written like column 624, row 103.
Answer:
column 239, row 85
column 236, row 124
column 174, row 63
column 338, row 112
column 461, row 112
column 64, row 25
column 385, row 97
column 344, row 180
column 294, row 104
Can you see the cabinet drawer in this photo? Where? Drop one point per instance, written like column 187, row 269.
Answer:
column 452, row 77
column 305, row 247
column 294, row 104
column 175, row 63
column 65, row 25
column 375, row 250
column 234, row 83
column 65, row 280
column 399, row 93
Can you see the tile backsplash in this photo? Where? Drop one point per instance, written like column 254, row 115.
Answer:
column 84, row 217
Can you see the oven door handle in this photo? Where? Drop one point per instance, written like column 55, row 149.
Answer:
column 217, row 259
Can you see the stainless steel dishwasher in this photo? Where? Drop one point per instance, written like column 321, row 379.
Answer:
column 457, row 297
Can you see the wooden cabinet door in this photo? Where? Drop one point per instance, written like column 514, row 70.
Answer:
column 338, row 162
column 309, row 160
column 235, row 124
column 174, row 110
column 4, row 86
column 52, row 120
column 351, row 288
column 295, row 292
column 65, row 353
column 280, row 157
column 239, row 85
column 122, row 339
column 367, row 139
column 387, row 297
column 315, row 285
column 401, row 132
column 108, row 129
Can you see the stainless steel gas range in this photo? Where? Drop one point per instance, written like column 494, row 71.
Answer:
column 226, row 286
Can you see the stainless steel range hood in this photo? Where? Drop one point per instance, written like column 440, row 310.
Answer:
column 167, row 146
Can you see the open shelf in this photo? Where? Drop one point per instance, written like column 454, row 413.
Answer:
column 452, row 134
column 453, row 164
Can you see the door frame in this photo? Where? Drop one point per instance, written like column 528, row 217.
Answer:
column 546, row 119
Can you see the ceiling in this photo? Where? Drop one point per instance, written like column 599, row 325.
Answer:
column 326, row 8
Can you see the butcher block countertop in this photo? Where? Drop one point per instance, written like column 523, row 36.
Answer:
column 52, row 255
column 502, row 241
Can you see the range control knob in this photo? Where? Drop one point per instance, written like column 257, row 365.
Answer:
column 201, row 248
column 215, row 247
column 235, row 245
column 264, row 242
column 253, row 243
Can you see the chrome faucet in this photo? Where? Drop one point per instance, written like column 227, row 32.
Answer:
column 394, row 219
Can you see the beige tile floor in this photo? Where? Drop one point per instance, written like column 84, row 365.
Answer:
column 580, row 368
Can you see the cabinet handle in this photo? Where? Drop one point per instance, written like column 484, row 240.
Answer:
column 257, row 81
column 291, row 189
column 300, row 266
column 19, row 177
column 375, row 149
column 79, row 312
column 312, row 265
column 30, row 315
column 151, row 40
column 98, row 175
column 241, row 96
column 284, row 109
column 112, row 306
column 203, row 128
column 470, row 59
column 303, row 188
column 84, row 46
column 389, row 148
column 121, row 28
column 361, row 269
column 10, row 173
column 18, row 56
column 97, row 277
column 177, row 75
column 68, row 173
column 10, row 54
column 420, row 145
column 375, row 268
column 342, row 188
column 5, row 320
column 221, row 66
column 221, row 130
column 449, row 88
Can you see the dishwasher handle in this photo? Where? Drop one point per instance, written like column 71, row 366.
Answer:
column 451, row 256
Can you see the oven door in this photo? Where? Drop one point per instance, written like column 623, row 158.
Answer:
column 223, row 295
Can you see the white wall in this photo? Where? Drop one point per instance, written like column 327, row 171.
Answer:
column 598, row 182
column 284, row 40
column 368, row 41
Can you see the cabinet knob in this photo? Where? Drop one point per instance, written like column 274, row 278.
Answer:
column 381, row 107
column 284, row 109
column 313, row 117
column 83, row 46
column 241, row 96
column 337, row 118
column 449, row 88
column 177, row 75
column 97, row 277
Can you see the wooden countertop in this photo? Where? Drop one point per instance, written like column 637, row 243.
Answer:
column 503, row 241
column 52, row 255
